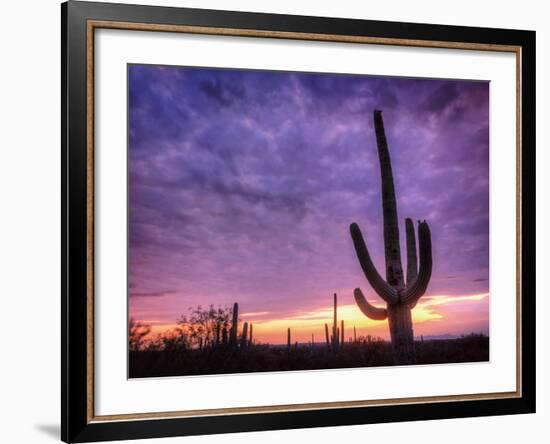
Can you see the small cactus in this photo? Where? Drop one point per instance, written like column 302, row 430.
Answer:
column 335, row 324
column 244, row 335
column 234, row 325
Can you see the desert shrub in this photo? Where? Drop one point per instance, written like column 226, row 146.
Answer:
column 137, row 332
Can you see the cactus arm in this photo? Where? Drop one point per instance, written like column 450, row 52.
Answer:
column 417, row 288
column 370, row 311
column 394, row 269
column 412, row 267
column 385, row 291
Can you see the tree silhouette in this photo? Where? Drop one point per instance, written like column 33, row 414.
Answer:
column 136, row 334
column 204, row 326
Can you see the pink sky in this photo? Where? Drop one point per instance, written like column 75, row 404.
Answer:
column 243, row 185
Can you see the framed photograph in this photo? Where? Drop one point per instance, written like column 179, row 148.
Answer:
column 276, row 221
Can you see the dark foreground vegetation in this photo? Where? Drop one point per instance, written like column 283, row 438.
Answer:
column 363, row 352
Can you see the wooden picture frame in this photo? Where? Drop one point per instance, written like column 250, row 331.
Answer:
column 80, row 20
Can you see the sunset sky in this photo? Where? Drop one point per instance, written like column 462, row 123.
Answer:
column 243, row 185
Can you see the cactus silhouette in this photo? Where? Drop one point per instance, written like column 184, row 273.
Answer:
column 244, row 335
column 335, row 335
column 234, row 325
column 400, row 296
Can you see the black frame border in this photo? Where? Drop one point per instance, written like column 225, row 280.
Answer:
column 75, row 424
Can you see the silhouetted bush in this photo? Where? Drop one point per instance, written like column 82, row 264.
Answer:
column 181, row 360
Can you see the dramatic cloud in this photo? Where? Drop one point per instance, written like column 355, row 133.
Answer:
column 243, row 185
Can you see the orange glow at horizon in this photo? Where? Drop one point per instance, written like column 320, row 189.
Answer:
column 433, row 315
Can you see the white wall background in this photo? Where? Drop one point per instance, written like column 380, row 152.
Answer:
column 30, row 217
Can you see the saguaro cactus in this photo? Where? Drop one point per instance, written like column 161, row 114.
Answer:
column 400, row 296
column 335, row 324
column 244, row 335
column 234, row 325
